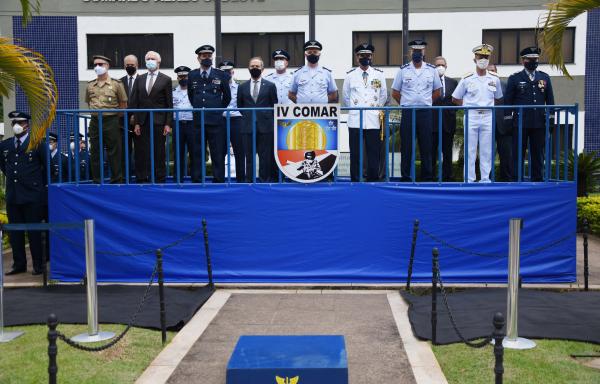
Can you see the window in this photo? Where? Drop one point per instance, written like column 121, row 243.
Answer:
column 508, row 44
column 116, row 47
column 240, row 47
column 388, row 45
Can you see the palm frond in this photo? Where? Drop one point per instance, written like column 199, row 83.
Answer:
column 555, row 21
column 29, row 7
column 28, row 69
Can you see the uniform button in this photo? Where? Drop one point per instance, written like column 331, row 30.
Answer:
column 203, row 100
column 16, row 155
column 15, row 172
column 15, row 180
column 16, row 163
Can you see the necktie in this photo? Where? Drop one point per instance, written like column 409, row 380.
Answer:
column 365, row 76
column 151, row 83
column 255, row 91
column 443, row 87
column 18, row 144
column 130, row 85
column 204, row 75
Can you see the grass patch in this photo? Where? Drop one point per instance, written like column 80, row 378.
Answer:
column 550, row 362
column 25, row 360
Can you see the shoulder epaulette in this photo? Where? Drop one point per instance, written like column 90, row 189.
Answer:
column 91, row 81
column 493, row 73
column 405, row 65
column 298, row 70
column 352, row 70
column 468, row 74
column 117, row 80
column 270, row 74
column 430, row 65
column 327, row 69
column 377, row 69
column 543, row 73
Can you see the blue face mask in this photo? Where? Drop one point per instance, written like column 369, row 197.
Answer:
column 417, row 56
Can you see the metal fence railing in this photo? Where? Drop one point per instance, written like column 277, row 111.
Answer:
column 560, row 138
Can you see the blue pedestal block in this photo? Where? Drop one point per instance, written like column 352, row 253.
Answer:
column 288, row 360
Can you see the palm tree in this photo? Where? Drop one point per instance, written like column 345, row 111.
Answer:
column 27, row 69
column 555, row 21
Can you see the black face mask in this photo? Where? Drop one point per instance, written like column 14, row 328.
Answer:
column 531, row 65
column 183, row 82
column 255, row 72
column 364, row 61
column 206, row 63
column 417, row 56
column 131, row 70
column 313, row 59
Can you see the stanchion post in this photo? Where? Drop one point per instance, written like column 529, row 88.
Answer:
column 498, row 347
column 586, row 267
column 512, row 340
column 207, row 251
column 94, row 333
column 5, row 337
column 434, row 274
column 161, row 295
column 413, row 246
column 45, row 258
column 52, row 348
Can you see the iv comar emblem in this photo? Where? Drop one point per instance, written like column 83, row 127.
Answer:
column 306, row 140
column 287, row 380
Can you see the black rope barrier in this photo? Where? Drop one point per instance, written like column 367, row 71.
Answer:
column 161, row 295
column 413, row 246
column 208, row 260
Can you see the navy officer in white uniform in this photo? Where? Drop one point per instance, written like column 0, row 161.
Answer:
column 481, row 88
column 313, row 84
column 281, row 77
column 416, row 84
column 364, row 86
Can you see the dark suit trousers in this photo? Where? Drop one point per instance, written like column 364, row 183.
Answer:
column 26, row 213
column 128, row 151
column 537, row 144
column 237, row 143
column 447, row 146
column 423, row 130
column 250, row 167
column 217, row 144
column 267, row 169
column 188, row 138
column 504, row 148
column 371, row 147
column 143, row 155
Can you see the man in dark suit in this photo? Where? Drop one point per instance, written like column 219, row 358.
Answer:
column 58, row 161
column 503, row 136
column 26, row 191
column 131, row 66
column 151, row 90
column 448, row 122
column 258, row 93
column 529, row 87
column 208, row 87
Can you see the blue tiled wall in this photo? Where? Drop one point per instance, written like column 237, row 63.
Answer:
column 592, row 83
column 55, row 37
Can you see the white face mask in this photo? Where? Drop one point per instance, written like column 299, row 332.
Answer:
column 17, row 129
column 72, row 146
column 51, row 147
column 151, row 64
column 100, row 70
column 482, row 63
column 441, row 70
column 279, row 65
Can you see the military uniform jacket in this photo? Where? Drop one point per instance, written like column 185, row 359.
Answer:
column 416, row 86
column 105, row 95
column 283, row 82
column 58, row 167
column 369, row 91
column 521, row 90
column 25, row 172
column 212, row 92
column 313, row 85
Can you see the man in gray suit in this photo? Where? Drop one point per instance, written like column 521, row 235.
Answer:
column 503, row 137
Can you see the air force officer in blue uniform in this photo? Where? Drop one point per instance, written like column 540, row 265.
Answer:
column 208, row 87
column 530, row 87
column 26, row 193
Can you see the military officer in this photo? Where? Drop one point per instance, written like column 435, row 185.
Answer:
column 208, row 87
column 281, row 77
column 186, row 137
column 416, row 84
column 529, row 87
column 26, row 191
column 313, row 83
column 481, row 88
column 106, row 93
column 364, row 86
column 58, row 160
column 236, row 123
column 78, row 154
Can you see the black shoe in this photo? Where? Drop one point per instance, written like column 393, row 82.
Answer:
column 15, row 271
column 36, row 273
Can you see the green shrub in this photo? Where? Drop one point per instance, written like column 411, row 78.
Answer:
column 589, row 208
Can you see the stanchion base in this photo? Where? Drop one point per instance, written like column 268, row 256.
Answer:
column 87, row 338
column 5, row 337
column 519, row 343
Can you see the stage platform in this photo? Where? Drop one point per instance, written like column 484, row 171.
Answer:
column 319, row 233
